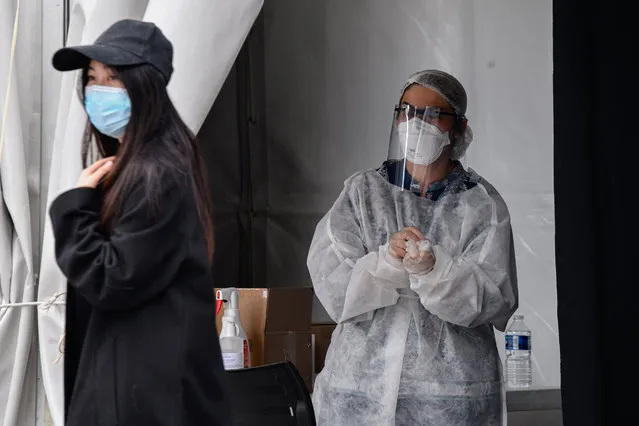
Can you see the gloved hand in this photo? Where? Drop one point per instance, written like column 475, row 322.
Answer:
column 397, row 242
column 419, row 259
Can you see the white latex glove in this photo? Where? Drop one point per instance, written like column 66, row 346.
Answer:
column 397, row 242
column 419, row 259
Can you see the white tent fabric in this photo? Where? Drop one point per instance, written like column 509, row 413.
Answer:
column 17, row 389
column 207, row 35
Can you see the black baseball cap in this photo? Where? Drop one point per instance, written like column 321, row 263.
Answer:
column 125, row 43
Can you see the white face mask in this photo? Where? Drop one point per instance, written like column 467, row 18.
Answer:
column 421, row 142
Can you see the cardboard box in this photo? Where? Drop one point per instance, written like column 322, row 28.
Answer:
column 323, row 334
column 278, row 326
column 294, row 346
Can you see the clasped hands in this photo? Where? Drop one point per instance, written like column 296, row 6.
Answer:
column 415, row 251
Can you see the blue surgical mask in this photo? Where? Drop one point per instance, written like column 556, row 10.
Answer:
column 109, row 109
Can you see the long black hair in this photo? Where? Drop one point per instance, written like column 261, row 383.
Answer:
column 156, row 141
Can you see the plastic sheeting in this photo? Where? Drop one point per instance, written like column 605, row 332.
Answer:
column 333, row 71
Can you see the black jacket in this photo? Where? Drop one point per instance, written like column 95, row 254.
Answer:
column 141, row 342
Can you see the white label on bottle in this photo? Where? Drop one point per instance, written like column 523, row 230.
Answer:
column 232, row 360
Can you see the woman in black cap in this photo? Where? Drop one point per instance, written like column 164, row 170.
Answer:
column 135, row 241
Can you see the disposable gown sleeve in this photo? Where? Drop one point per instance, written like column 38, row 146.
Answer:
column 133, row 264
column 479, row 285
column 351, row 281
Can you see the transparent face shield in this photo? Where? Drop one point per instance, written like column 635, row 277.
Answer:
column 422, row 141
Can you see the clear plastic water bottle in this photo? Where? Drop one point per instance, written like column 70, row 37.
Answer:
column 518, row 354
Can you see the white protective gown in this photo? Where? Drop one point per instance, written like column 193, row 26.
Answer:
column 413, row 350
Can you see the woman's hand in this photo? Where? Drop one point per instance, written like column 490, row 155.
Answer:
column 397, row 245
column 419, row 258
column 93, row 175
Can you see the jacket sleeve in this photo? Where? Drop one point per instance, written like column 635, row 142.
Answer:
column 135, row 263
column 478, row 285
column 349, row 280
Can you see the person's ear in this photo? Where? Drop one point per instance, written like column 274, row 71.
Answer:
column 459, row 128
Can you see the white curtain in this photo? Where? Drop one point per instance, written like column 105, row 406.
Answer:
column 206, row 36
column 17, row 384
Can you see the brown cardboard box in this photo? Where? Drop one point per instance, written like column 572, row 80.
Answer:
column 323, row 334
column 294, row 346
column 278, row 326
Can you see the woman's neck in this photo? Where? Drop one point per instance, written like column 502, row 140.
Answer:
column 435, row 172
